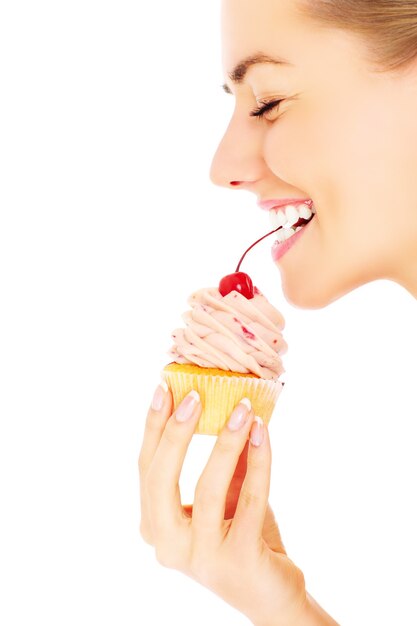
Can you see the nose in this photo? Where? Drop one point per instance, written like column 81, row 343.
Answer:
column 238, row 161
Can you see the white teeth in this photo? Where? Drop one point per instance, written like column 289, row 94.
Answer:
column 305, row 212
column 287, row 217
column 280, row 235
column 289, row 232
column 291, row 214
column 286, row 233
column 277, row 218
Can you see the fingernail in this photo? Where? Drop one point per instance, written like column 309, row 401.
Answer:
column 257, row 432
column 187, row 406
column 239, row 415
column 159, row 396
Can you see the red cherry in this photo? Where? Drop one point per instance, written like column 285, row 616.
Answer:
column 240, row 282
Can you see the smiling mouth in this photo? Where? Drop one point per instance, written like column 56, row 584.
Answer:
column 290, row 219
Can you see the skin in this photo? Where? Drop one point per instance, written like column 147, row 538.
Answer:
column 346, row 136
column 228, row 540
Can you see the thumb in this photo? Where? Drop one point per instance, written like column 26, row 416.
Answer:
column 271, row 534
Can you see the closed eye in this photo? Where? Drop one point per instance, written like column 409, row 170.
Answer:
column 266, row 106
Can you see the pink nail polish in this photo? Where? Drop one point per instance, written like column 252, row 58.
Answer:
column 257, row 432
column 239, row 415
column 187, row 406
column 159, row 396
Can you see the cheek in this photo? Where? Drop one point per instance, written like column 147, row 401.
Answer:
column 301, row 148
column 332, row 149
column 357, row 148
column 338, row 151
column 288, row 151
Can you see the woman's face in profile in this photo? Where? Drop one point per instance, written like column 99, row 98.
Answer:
column 344, row 136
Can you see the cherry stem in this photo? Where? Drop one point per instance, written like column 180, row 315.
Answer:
column 254, row 244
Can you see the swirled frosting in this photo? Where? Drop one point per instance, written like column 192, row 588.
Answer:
column 231, row 333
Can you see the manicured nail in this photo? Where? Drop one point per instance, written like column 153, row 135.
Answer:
column 187, row 406
column 257, row 432
column 159, row 396
column 239, row 415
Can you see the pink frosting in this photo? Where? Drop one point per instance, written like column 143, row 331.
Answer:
column 231, row 333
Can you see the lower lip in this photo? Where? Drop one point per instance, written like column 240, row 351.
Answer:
column 279, row 249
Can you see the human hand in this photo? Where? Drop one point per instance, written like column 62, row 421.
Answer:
column 228, row 539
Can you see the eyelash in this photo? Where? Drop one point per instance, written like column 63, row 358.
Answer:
column 266, row 106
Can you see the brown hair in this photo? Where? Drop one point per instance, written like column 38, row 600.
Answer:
column 389, row 27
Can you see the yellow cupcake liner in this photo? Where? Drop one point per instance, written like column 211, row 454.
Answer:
column 221, row 393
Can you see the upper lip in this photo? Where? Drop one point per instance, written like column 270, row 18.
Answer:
column 267, row 205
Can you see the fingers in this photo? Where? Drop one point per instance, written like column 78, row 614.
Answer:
column 234, row 459
column 164, row 471
column 157, row 417
column 251, row 509
column 236, row 484
column 214, row 483
column 158, row 414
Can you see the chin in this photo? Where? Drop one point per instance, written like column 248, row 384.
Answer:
column 314, row 295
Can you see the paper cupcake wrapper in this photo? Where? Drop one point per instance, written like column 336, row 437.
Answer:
column 220, row 394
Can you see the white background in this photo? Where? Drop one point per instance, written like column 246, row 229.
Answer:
column 109, row 115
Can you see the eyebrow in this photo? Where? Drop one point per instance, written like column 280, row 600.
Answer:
column 237, row 76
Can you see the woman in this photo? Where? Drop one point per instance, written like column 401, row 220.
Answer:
column 326, row 100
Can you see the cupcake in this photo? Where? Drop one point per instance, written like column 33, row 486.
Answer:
column 230, row 348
